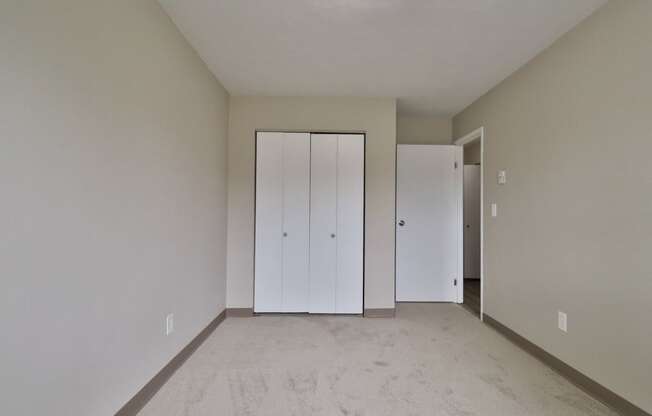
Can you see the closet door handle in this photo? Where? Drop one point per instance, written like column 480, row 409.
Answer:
column 285, row 234
column 332, row 235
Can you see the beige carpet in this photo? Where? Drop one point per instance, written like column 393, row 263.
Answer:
column 432, row 359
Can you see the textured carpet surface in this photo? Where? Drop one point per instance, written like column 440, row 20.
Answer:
column 432, row 359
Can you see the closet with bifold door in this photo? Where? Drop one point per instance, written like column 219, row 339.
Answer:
column 309, row 241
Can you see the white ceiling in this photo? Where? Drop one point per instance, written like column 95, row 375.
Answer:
column 435, row 56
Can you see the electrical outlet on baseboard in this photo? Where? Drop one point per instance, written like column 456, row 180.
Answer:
column 169, row 324
column 562, row 321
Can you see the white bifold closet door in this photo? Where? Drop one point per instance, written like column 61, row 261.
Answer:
column 282, row 222
column 336, row 223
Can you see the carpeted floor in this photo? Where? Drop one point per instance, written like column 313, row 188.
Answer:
column 432, row 359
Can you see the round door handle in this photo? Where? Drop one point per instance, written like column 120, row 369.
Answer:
column 468, row 226
column 285, row 234
column 332, row 235
column 401, row 223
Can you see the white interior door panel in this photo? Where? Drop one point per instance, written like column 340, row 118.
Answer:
column 429, row 223
column 296, row 222
column 323, row 223
column 268, row 288
column 350, row 224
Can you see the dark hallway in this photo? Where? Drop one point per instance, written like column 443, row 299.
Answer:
column 472, row 295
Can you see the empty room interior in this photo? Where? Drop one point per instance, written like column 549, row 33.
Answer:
column 326, row 207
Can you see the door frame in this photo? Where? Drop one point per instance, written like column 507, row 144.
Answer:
column 477, row 134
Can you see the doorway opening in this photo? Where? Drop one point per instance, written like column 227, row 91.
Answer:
column 473, row 236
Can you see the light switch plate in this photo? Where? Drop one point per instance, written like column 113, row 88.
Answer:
column 562, row 321
column 169, row 324
column 502, row 177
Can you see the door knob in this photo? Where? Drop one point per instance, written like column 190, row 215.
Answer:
column 401, row 223
column 332, row 235
column 468, row 226
column 285, row 234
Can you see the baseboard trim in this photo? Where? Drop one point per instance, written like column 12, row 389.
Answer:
column 240, row 312
column 590, row 386
column 380, row 313
column 136, row 404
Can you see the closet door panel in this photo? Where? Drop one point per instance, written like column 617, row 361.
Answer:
column 296, row 222
column 323, row 225
column 269, row 220
column 350, row 229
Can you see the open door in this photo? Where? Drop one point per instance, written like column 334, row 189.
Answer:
column 429, row 260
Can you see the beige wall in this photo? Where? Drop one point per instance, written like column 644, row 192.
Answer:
column 572, row 129
column 423, row 130
column 376, row 117
column 113, row 178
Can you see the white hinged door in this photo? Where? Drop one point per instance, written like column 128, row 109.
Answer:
column 429, row 224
